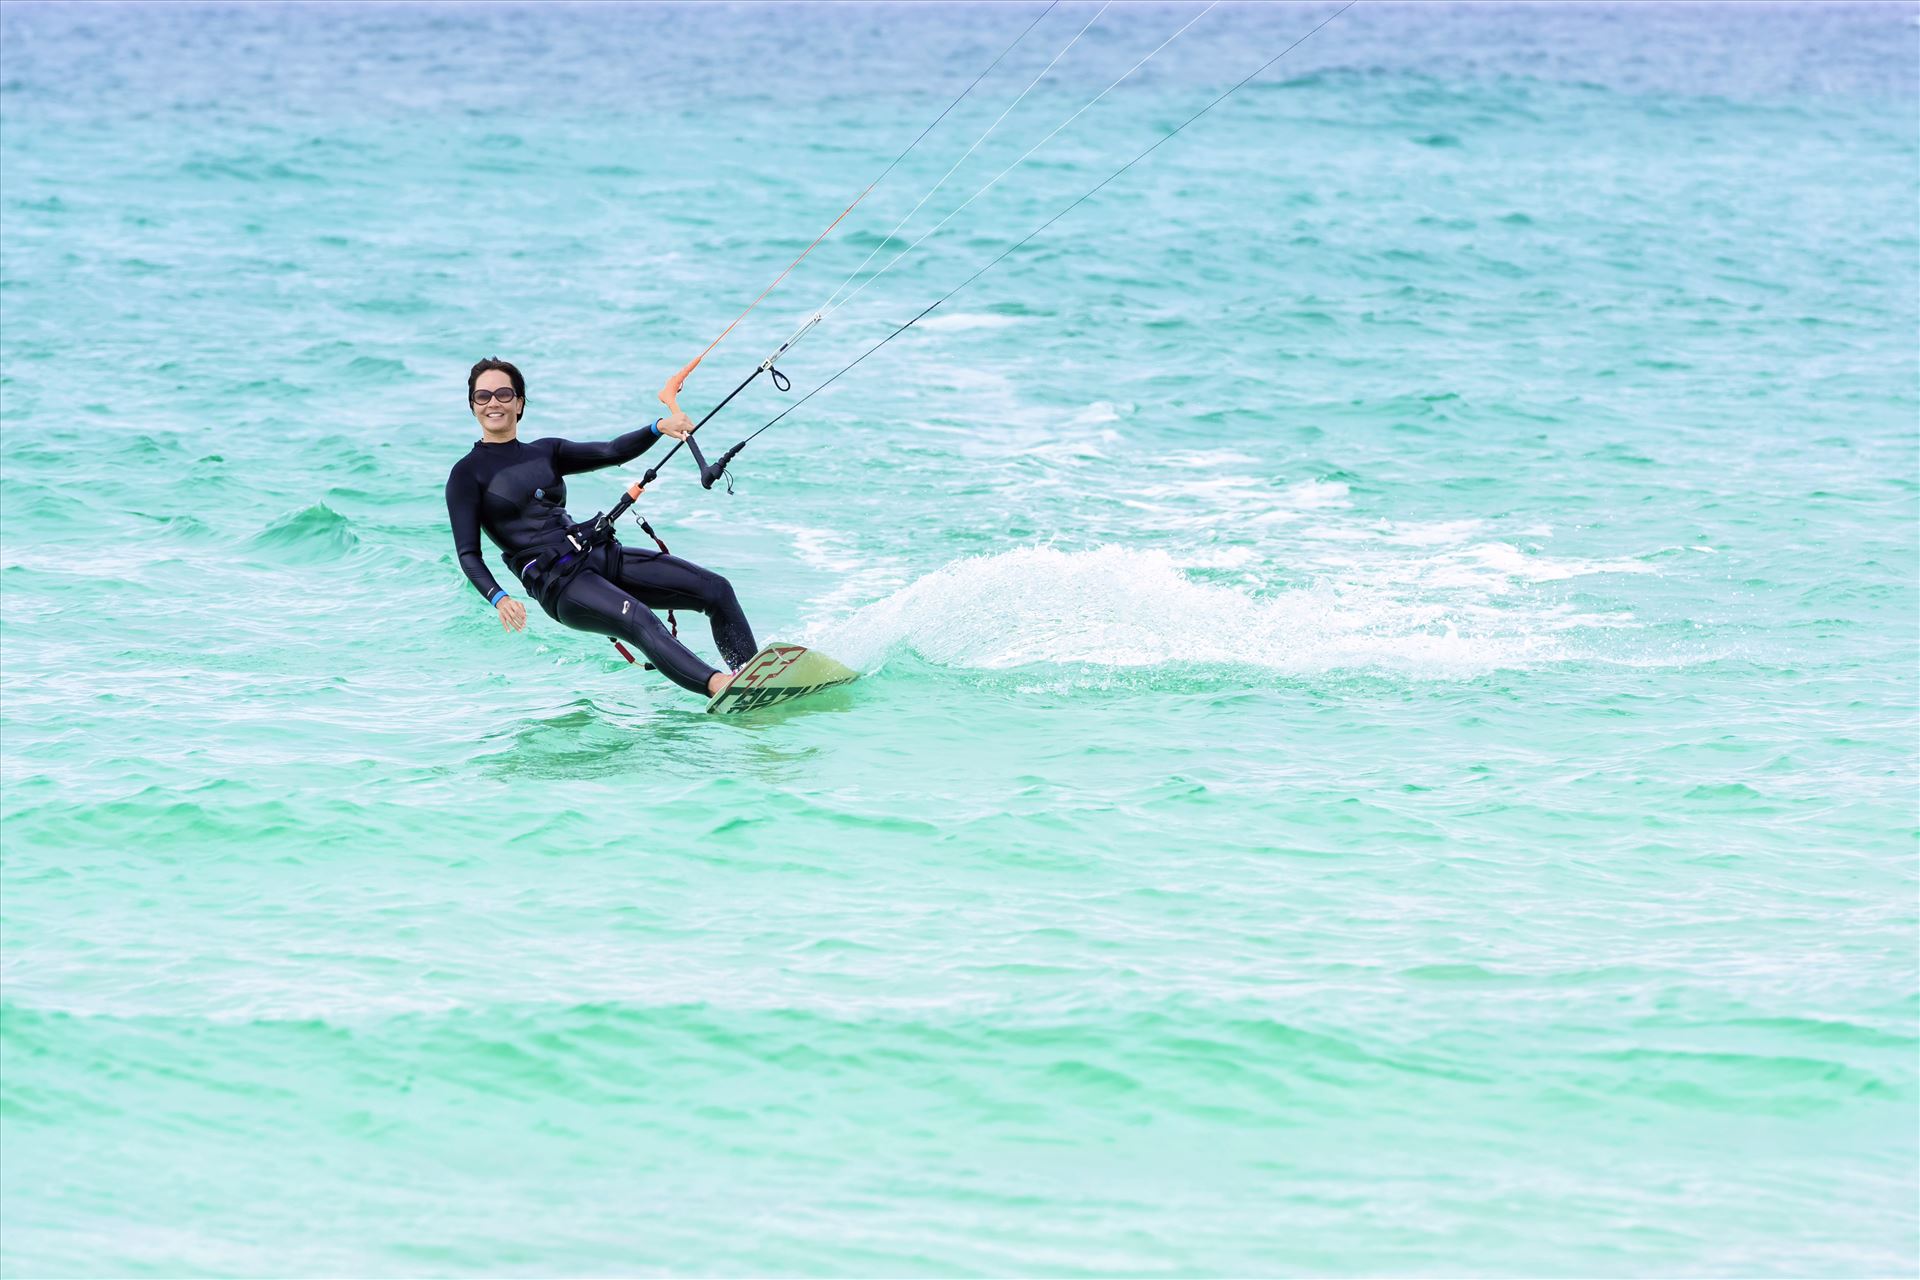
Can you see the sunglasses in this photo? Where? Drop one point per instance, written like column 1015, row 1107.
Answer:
column 504, row 394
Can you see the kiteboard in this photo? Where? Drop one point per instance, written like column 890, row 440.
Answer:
column 777, row 675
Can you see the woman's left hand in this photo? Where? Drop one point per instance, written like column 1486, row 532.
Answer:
column 677, row 425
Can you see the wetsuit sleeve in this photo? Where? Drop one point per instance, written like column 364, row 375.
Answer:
column 570, row 457
column 463, row 511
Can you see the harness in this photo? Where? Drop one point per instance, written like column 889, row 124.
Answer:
column 548, row 571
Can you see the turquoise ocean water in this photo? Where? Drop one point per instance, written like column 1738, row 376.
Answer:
column 1389, row 742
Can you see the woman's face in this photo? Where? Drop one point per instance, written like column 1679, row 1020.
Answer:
column 497, row 417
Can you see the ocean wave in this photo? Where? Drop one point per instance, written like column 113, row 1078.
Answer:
column 309, row 535
column 963, row 321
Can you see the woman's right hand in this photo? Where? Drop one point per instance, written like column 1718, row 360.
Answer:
column 513, row 614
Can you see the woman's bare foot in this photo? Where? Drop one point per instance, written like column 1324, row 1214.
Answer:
column 716, row 682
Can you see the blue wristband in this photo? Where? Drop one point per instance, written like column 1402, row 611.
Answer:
column 655, row 428
column 499, row 594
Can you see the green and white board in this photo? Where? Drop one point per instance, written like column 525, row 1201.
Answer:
column 776, row 675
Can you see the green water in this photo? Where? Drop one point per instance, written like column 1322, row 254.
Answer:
column 1388, row 736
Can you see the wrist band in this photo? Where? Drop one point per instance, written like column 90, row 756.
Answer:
column 655, row 428
column 499, row 594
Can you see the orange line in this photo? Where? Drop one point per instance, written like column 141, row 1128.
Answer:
column 790, row 266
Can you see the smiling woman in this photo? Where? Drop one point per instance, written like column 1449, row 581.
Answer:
column 516, row 492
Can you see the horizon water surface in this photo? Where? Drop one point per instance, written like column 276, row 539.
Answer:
column 1388, row 733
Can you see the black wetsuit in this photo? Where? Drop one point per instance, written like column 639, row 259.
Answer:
column 516, row 493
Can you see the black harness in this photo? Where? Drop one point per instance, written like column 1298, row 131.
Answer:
column 547, row 571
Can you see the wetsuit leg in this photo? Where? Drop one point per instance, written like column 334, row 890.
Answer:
column 591, row 603
column 661, row 581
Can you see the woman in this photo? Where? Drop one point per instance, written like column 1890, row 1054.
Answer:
column 517, row 492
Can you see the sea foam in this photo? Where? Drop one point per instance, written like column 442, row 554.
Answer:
column 1117, row 607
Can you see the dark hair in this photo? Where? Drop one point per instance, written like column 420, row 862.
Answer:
column 504, row 366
